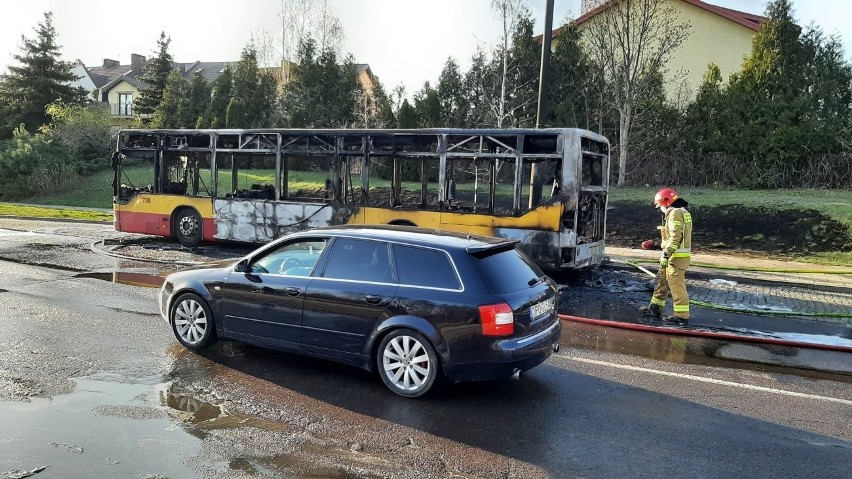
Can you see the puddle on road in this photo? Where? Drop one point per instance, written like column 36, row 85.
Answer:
column 811, row 363
column 107, row 429
column 144, row 280
column 102, row 429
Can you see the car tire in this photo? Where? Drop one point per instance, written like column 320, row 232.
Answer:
column 407, row 363
column 192, row 322
column 188, row 227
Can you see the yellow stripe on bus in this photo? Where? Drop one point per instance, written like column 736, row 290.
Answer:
column 546, row 218
column 166, row 204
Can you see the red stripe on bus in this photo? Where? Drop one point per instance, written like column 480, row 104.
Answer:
column 135, row 222
column 208, row 231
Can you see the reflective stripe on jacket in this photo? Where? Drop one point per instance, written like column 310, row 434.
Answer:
column 676, row 235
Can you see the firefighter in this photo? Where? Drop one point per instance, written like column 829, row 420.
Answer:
column 676, row 235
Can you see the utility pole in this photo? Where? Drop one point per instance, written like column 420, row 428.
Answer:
column 543, row 77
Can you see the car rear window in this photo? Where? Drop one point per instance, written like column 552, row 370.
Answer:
column 507, row 271
column 424, row 267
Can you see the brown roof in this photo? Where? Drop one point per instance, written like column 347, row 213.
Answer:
column 747, row 20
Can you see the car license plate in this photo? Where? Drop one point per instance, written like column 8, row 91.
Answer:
column 542, row 308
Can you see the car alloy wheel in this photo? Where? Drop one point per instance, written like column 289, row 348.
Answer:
column 407, row 363
column 192, row 322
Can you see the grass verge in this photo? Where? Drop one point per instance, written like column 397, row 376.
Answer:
column 12, row 209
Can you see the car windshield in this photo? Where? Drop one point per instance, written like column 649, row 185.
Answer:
column 508, row 271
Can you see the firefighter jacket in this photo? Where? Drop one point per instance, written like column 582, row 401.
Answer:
column 676, row 233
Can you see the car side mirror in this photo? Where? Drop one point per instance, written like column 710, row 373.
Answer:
column 242, row 266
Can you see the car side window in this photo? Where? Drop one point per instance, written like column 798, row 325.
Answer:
column 294, row 258
column 424, row 267
column 359, row 260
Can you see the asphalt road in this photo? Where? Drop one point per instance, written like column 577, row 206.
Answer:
column 92, row 384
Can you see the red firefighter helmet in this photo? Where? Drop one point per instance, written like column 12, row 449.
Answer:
column 665, row 197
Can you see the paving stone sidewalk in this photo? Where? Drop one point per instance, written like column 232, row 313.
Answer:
column 762, row 292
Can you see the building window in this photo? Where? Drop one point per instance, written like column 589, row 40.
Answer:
column 125, row 104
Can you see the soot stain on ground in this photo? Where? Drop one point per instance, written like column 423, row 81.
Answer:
column 734, row 227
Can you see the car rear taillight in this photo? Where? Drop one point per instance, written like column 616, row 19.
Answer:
column 497, row 319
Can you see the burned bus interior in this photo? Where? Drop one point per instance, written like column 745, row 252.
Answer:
column 494, row 172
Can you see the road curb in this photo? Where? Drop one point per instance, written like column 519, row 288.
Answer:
column 705, row 334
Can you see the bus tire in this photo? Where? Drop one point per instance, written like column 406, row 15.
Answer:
column 188, row 226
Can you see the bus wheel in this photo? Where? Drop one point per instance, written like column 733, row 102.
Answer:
column 188, row 227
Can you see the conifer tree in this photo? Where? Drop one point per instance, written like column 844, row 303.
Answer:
column 198, row 101
column 793, row 95
column 451, row 94
column 219, row 98
column 427, row 104
column 253, row 94
column 155, row 74
column 168, row 113
column 407, row 116
column 39, row 79
column 322, row 93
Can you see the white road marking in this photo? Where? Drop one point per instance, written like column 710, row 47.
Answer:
column 707, row 380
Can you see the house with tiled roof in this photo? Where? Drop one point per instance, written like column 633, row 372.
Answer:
column 717, row 35
column 119, row 85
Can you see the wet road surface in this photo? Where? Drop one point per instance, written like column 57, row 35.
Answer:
column 93, row 384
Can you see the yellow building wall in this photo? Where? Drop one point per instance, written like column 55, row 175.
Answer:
column 122, row 87
column 712, row 39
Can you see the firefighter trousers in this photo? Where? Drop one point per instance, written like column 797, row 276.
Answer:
column 672, row 279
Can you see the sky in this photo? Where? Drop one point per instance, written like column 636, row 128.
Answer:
column 404, row 41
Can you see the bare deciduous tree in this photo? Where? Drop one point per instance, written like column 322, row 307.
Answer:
column 630, row 40
column 268, row 50
column 509, row 12
column 302, row 18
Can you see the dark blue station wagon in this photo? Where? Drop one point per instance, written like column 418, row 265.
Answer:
column 410, row 303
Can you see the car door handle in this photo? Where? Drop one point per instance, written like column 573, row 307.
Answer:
column 293, row 291
column 373, row 299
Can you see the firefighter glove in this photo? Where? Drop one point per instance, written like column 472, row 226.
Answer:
column 664, row 261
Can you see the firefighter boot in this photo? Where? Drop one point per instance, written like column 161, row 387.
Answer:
column 652, row 310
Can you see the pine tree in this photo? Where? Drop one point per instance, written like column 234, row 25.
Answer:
column 427, row 104
column 572, row 96
column 155, row 74
column 481, row 88
column 253, row 94
column 41, row 79
column 322, row 93
column 198, row 101
column 451, row 94
column 793, row 95
column 382, row 110
column 219, row 98
column 525, row 58
column 407, row 116
column 168, row 113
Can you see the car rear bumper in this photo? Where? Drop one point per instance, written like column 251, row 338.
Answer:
column 510, row 356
